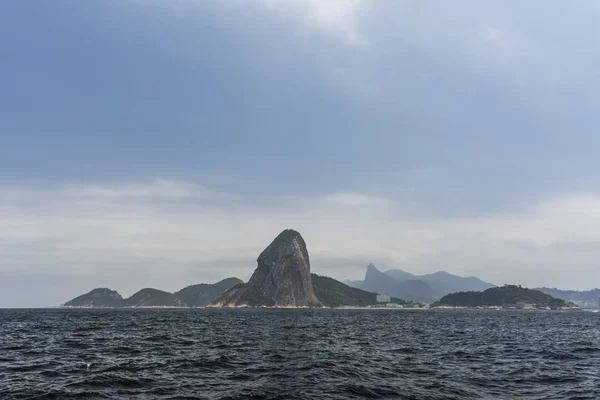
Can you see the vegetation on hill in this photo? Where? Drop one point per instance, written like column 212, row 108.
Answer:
column 330, row 293
column 203, row 294
column 152, row 298
column 500, row 296
column 334, row 293
column 191, row 296
column 101, row 297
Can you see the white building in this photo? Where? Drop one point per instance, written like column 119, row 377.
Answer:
column 381, row 298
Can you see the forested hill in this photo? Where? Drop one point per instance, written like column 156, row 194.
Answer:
column 334, row 293
column 500, row 296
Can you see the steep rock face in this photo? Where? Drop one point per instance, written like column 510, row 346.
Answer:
column 101, row 297
column 282, row 278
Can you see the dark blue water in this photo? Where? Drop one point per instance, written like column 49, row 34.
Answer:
column 299, row 354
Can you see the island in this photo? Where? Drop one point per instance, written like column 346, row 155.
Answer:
column 508, row 296
column 192, row 296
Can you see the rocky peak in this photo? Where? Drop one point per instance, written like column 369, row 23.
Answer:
column 282, row 277
column 372, row 272
column 287, row 248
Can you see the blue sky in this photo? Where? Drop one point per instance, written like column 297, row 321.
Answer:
column 169, row 142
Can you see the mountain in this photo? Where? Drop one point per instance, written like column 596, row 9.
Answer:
column 400, row 275
column 413, row 290
column 441, row 283
column 332, row 293
column 152, row 298
column 282, row 277
column 101, row 297
column 500, row 296
column 191, row 296
column 203, row 294
column 444, row 283
column 585, row 298
column 354, row 284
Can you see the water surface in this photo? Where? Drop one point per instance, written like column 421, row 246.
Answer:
column 298, row 354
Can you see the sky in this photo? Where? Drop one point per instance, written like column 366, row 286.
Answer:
column 166, row 143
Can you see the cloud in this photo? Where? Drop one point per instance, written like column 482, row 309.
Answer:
column 354, row 200
column 335, row 17
column 157, row 189
column 143, row 231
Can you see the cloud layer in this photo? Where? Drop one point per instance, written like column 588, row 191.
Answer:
column 168, row 234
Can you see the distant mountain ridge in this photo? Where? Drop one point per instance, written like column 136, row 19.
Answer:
column 412, row 289
column 191, row 296
column 419, row 288
column 583, row 298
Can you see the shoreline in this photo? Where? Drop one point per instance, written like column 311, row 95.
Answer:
column 315, row 308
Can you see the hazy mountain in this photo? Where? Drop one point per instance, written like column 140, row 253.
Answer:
column 444, row 283
column 585, row 299
column 412, row 290
column 152, row 298
column 203, row 294
column 354, row 284
column 282, row 277
column 400, row 275
column 332, row 293
column 441, row 283
column 101, row 297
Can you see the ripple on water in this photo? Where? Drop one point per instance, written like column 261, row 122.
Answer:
column 298, row 354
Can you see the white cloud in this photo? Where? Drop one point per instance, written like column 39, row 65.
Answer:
column 335, row 17
column 157, row 189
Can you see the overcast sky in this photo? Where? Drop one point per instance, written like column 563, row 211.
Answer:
column 148, row 143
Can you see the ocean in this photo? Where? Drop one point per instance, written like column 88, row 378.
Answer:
column 298, row 354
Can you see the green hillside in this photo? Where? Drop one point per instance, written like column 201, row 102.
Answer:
column 500, row 296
